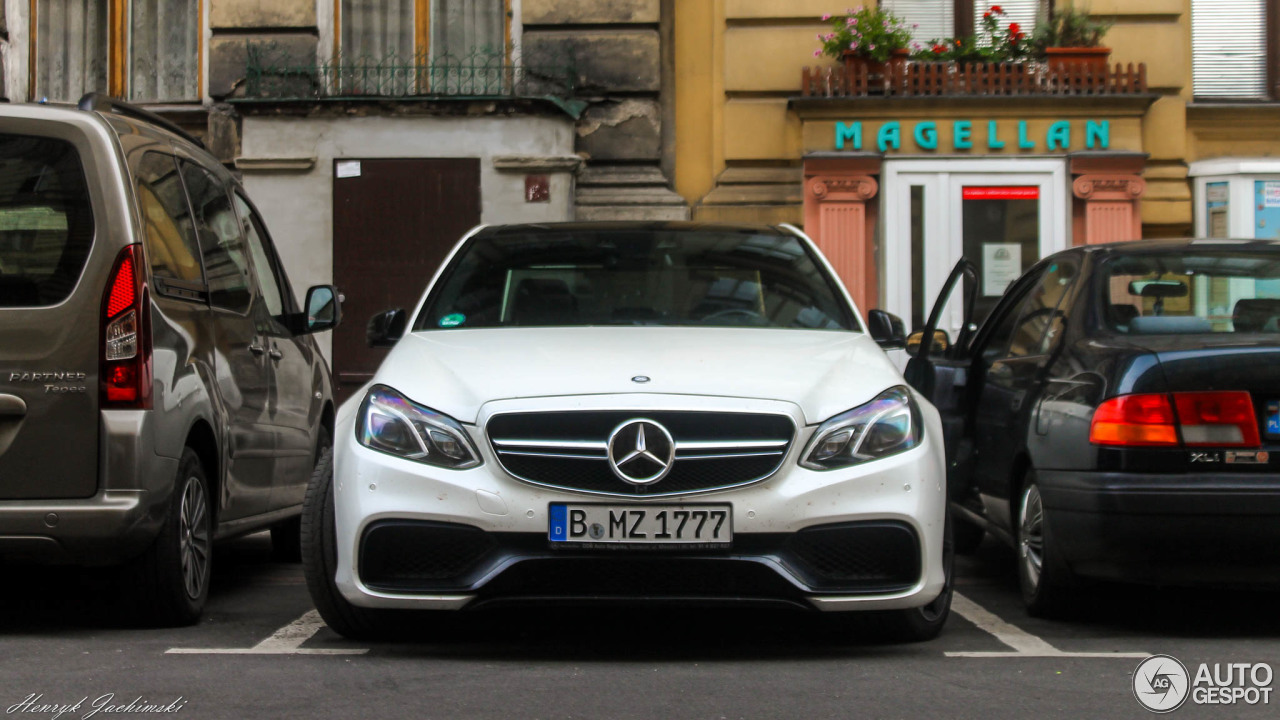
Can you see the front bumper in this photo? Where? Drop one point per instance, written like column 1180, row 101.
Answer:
column 1221, row 528
column 513, row 560
column 115, row 524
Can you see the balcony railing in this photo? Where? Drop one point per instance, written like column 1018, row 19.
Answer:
column 272, row 73
column 938, row 79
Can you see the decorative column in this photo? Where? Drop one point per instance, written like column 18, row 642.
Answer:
column 840, row 216
column 1107, row 193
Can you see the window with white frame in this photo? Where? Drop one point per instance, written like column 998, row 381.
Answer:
column 1229, row 48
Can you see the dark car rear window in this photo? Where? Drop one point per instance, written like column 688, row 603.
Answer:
column 636, row 277
column 46, row 220
column 1193, row 290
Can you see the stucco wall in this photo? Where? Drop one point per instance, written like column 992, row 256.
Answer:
column 298, row 206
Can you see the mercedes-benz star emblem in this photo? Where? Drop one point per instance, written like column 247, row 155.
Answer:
column 641, row 451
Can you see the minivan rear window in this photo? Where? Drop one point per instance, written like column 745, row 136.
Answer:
column 46, row 220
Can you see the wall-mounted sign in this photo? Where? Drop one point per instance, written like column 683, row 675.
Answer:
column 967, row 134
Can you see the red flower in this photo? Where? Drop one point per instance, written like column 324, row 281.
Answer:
column 997, row 9
column 986, row 16
column 1014, row 28
column 939, row 48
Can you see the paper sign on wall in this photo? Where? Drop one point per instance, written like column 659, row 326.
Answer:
column 348, row 168
column 1001, row 265
column 1271, row 194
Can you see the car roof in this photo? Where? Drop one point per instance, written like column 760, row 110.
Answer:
column 1182, row 245
column 525, row 229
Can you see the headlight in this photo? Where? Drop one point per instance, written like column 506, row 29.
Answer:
column 391, row 423
column 886, row 426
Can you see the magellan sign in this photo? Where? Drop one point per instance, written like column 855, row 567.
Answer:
column 970, row 134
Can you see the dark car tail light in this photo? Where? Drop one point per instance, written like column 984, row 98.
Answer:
column 124, row 372
column 1134, row 420
column 1217, row 419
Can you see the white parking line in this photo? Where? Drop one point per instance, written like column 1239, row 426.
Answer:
column 1024, row 644
column 285, row 641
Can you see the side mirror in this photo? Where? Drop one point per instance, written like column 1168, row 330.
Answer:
column 386, row 328
column 941, row 341
column 886, row 329
column 324, row 308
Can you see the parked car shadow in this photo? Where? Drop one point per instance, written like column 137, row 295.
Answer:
column 1166, row 611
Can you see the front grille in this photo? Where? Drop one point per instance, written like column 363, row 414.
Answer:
column 569, row 449
column 855, row 554
column 420, row 557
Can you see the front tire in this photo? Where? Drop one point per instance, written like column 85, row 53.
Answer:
column 320, row 561
column 169, row 582
column 915, row 624
column 1042, row 574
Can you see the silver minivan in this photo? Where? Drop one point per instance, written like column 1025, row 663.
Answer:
column 159, row 385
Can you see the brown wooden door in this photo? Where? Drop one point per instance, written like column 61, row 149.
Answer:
column 394, row 220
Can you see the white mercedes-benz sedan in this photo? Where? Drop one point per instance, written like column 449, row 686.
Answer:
column 633, row 412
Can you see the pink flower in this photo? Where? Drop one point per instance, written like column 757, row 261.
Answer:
column 872, row 46
column 826, row 17
column 821, row 38
column 817, row 53
column 853, row 45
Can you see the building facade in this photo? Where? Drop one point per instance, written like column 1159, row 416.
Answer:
column 373, row 133
column 897, row 183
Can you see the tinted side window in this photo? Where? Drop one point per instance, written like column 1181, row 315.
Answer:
column 1040, row 322
column 268, row 272
column 46, row 220
column 226, row 261
column 170, row 237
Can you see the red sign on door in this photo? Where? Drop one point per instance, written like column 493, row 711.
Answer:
column 1005, row 192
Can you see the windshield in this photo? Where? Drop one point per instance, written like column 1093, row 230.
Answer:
column 1193, row 291
column 635, row 277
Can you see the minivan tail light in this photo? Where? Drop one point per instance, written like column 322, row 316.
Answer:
column 125, row 366
column 1199, row 419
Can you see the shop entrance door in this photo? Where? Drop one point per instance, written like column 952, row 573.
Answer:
column 1003, row 215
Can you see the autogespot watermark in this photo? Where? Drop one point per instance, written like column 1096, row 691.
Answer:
column 86, row 707
column 1162, row 684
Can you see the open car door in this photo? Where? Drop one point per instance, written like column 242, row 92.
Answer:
column 938, row 367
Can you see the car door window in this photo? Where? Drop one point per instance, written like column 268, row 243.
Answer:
column 1040, row 320
column 226, row 260
column 170, row 236
column 268, row 271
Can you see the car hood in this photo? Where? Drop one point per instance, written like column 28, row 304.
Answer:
column 458, row 371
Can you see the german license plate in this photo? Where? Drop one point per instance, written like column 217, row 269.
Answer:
column 683, row 525
column 1273, row 418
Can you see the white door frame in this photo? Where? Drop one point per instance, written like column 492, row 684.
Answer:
column 943, row 178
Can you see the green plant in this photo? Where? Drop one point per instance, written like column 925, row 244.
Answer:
column 992, row 44
column 1068, row 27
column 871, row 33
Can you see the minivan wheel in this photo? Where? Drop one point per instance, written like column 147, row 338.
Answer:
column 169, row 582
column 320, row 561
column 1043, row 576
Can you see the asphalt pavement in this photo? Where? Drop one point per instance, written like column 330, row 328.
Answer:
column 261, row 652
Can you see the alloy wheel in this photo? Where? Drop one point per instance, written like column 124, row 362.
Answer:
column 1031, row 535
column 193, row 537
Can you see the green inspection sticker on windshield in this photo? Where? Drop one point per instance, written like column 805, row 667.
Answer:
column 453, row 320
